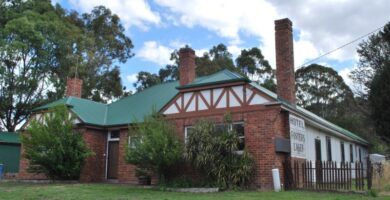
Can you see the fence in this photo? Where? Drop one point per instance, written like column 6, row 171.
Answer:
column 327, row 175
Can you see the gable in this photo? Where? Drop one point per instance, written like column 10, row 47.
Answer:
column 234, row 96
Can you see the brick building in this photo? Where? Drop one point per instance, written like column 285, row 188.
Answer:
column 271, row 126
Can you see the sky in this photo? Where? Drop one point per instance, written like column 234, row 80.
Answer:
column 157, row 27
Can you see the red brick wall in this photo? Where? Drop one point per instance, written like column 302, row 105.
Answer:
column 262, row 125
column 94, row 169
column 126, row 172
column 23, row 166
column 95, row 165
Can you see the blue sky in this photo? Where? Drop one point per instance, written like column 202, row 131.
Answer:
column 157, row 27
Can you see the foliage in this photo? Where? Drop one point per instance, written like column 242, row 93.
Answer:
column 320, row 88
column 214, row 152
column 380, row 100
column 216, row 59
column 154, row 146
column 41, row 45
column 253, row 63
column 373, row 57
column 53, row 147
column 371, row 74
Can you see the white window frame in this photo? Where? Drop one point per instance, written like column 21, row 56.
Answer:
column 129, row 141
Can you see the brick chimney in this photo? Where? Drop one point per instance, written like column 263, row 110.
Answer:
column 285, row 74
column 186, row 65
column 74, row 87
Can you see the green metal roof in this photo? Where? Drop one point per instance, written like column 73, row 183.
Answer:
column 88, row 111
column 224, row 76
column 135, row 107
column 9, row 137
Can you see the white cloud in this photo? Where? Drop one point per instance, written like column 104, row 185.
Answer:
column 229, row 19
column 131, row 12
column 345, row 74
column 154, row 52
column 132, row 78
column 328, row 24
column 323, row 25
column 304, row 51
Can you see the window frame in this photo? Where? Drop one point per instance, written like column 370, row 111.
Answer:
column 110, row 138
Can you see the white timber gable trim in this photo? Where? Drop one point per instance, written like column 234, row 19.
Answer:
column 215, row 98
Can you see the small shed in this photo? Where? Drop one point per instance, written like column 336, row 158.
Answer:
column 10, row 151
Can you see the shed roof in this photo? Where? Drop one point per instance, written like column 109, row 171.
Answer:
column 9, row 137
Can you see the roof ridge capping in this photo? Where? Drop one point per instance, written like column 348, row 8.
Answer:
column 214, row 79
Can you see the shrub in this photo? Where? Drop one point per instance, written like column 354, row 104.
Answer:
column 53, row 147
column 215, row 153
column 154, row 145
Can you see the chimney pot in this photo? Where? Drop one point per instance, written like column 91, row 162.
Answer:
column 186, row 65
column 74, row 87
column 284, row 48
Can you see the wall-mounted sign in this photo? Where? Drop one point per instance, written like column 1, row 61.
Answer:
column 297, row 137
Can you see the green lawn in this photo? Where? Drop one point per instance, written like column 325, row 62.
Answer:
column 112, row 191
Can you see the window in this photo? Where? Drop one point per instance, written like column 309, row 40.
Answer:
column 133, row 141
column 351, row 153
column 237, row 127
column 329, row 148
column 360, row 155
column 114, row 135
column 342, row 151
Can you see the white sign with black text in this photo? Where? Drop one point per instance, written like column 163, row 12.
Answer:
column 297, row 137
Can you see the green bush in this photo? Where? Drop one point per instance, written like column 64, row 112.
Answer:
column 215, row 153
column 154, row 145
column 54, row 147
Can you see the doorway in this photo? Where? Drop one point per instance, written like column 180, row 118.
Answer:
column 112, row 155
column 317, row 143
column 318, row 162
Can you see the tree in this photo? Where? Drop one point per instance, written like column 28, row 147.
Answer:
column 373, row 57
column 146, row 80
column 25, row 56
column 154, row 145
column 213, row 151
column 252, row 63
column 42, row 45
column 321, row 90
column 380, row 101
column 101, row 43
column 372, row 71
column 216, row 59
column 53, row 147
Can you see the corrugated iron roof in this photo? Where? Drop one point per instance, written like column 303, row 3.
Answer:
column 133, row 108
column 9, row 137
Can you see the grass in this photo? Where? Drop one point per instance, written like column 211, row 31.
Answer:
column 113, row 191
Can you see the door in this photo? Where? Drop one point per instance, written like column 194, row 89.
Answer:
column 112, row 165
column 318, row 150
column 317, row 144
